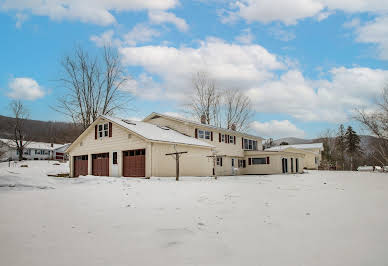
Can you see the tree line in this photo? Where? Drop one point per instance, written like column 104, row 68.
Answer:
column 342, row 149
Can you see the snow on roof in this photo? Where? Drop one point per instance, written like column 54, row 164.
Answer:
column 297, row 146
column 34, row 145
column 157, row 133
column 203, row 125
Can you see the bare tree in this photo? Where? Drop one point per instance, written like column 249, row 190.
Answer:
column 237, row 110
column 205, row 100
column 93, row 85
column 376, row 122
column 20, row 132
column 329, row 154
column 229, row 108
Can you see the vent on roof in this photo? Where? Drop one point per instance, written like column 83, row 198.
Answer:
column 129, row 122
column 164, row 127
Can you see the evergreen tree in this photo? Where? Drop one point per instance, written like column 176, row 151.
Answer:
column 352, row 142
column 341, row 145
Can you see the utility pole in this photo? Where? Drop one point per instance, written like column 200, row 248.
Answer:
column 177, row 155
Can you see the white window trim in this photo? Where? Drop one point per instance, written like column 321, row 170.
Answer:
column 104, row 132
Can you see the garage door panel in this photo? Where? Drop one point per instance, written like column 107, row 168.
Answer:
column 80, row 165
column 134, row 163
column 100, row 164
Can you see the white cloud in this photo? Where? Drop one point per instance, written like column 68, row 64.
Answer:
column 159, row 17
column 246, row 37
column 254, row 70
column 276, row 129
column 106, row 38
column 91, row 11
column 231, row 64
column 20, row 18
column 283, row 35
column 325, row 100
column 25, row 88
column 290, row 12
column 140, row 34
column 375, row 32
column 144, row 86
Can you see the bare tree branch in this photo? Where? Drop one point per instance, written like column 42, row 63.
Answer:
column 93, row 86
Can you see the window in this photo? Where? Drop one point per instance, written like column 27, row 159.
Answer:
column 37, row 151
column 207, row 134
column 231, row 139
column 222, row 137
column 219, row 161
column 250, row 144
column 241, row 163
column 103, row 130
column 203, row 134
column 114, row 157
column 259, row 160
column 232, row 162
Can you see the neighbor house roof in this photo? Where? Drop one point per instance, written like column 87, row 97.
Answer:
column 185, row 120
column 297, row 146
column 156, row 133
column 33, row 145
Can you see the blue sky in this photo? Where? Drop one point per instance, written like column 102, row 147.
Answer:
column 305, row 66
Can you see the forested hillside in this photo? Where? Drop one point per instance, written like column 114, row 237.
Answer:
column 43, row 131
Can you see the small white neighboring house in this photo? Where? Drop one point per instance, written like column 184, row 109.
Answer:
column 33, row 150
column 60, row 152
column 312, row 151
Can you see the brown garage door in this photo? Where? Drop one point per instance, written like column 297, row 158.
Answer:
column 134, row 163
column 100, row 164
column 80, row 165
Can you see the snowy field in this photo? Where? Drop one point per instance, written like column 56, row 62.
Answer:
column 317, row 218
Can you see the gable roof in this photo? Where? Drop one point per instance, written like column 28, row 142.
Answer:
column 185, row 120
column 297, row 146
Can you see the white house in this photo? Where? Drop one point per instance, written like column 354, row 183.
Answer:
column 312, row 151
column 33, row 151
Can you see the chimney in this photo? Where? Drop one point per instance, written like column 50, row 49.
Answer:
column 233, row 127
column 203, row 119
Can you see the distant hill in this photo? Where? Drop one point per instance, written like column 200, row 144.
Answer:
column 292, row 141
column 365, row 141
column 43, row 131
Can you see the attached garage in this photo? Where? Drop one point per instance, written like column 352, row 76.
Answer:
column 100, row 164
column 80, row 165
column 134, row 163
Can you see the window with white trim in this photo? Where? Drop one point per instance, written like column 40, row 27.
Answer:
column 231, row 139
column 250, row 144
column 203, row 134
column 222, row 137
column 103, row 130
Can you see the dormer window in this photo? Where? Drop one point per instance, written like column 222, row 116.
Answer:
column 103, row 130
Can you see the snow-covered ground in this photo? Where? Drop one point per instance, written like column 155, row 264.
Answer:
column 317, row 218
